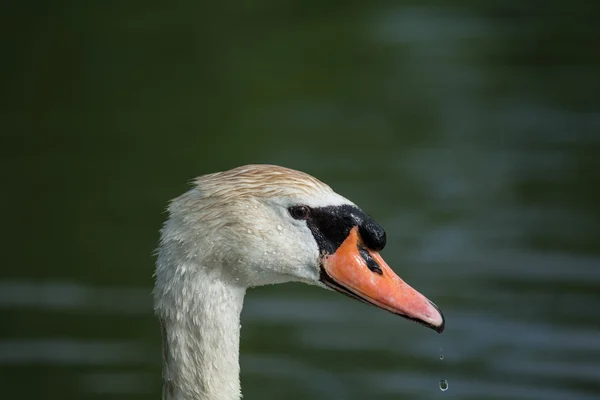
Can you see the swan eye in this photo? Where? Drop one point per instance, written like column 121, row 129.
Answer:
column 299, row 212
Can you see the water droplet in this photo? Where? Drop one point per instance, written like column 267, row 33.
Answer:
column 441, row 354
column 249, row 230
column 443, row 385
column 279, row 227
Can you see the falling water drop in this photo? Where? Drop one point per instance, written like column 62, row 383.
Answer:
column 443, row 382
column 443, row 385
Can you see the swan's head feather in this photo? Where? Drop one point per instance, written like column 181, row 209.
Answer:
column 263, row 181
column 236, row 224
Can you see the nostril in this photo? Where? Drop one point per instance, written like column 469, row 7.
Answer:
column 371, row 263
column 372, row 234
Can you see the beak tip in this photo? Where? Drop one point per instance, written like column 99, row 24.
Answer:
column 438, row 323
column 440, row 328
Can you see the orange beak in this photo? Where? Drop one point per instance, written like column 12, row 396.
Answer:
column 361, row 273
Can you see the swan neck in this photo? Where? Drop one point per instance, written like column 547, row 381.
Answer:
column 200, row 322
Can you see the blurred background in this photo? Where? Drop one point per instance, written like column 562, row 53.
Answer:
column 469, row 130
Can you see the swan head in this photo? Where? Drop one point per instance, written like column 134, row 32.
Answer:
column 263, row 224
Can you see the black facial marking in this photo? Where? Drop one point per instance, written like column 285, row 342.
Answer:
column 331, row 225
column 371, row 263
column 372, row 235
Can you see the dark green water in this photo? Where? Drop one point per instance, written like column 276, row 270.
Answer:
column 471, row 132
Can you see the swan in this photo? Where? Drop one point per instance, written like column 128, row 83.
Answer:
column 250, row 226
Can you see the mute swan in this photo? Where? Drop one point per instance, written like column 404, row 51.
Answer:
column 250, row 226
